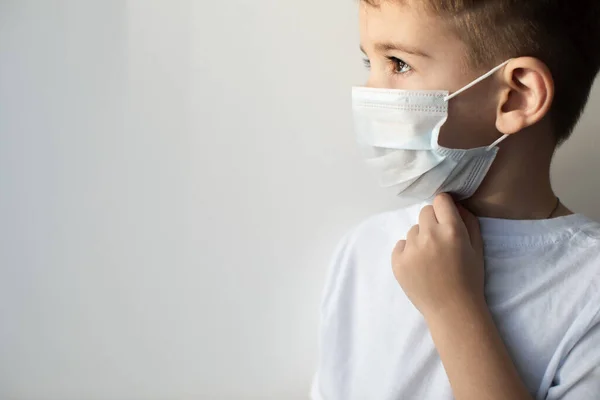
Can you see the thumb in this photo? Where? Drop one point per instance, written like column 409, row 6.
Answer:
column 472, row 224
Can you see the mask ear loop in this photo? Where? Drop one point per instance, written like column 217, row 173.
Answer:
column 475, row 82
column 497, row 142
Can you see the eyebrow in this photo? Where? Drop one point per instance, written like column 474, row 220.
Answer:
column 388, row 46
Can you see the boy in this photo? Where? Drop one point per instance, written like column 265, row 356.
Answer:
column 433, row 323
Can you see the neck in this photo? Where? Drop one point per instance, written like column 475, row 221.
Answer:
column 518, row 184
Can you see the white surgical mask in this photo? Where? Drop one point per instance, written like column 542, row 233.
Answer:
column 399, row 130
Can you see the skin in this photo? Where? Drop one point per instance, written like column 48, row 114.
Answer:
column 514, row 101
column 440, row 265
column 440, row 268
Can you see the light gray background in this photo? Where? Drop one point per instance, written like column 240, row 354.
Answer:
column 174, row 176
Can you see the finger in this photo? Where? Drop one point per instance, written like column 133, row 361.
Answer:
column 427, row 217
column 446, row 211
column 472, row 224
column 397, row 253
column 412, row 234
column 400, row 246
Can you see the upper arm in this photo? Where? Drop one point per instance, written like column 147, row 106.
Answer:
column 578, row 378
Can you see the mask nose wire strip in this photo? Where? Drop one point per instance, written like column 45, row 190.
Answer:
column 476, row 81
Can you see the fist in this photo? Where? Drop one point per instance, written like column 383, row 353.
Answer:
column 440, row 264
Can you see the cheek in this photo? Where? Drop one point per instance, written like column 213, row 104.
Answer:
column 468, row 126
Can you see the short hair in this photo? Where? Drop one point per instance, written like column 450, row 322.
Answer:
column 564, row 34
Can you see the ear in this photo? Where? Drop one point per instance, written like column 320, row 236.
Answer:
column 526, row 96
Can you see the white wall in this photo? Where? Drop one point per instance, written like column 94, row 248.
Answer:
column 173, row 178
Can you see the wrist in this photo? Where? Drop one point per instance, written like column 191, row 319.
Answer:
column 459, row 311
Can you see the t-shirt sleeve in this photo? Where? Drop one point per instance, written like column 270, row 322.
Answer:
column 324, row 377
column 578, row 378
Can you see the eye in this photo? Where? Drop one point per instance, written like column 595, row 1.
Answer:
column 367, row 63
column 400, row 67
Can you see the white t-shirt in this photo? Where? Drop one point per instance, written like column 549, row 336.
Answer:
column 542, row 287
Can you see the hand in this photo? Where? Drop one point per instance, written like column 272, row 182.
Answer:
column 440, row 264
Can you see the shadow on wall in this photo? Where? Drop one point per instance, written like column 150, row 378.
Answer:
column 576, row 165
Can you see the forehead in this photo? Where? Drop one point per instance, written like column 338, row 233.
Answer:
column 405, row 22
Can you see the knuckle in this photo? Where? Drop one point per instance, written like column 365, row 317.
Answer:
column 440, row 199
column 397, row 261
column 426, row 237
column 452, row 231
column 412, row 234
column 427, row 210
column 400, row 246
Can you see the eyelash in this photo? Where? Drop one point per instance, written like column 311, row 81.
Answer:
column 400, row 67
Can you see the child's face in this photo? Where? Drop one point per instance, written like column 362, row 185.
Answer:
column 408, row 48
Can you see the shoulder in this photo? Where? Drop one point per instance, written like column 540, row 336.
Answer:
column 582, row 252
column 374, row 231
column 364, row 252
column 591, row 230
